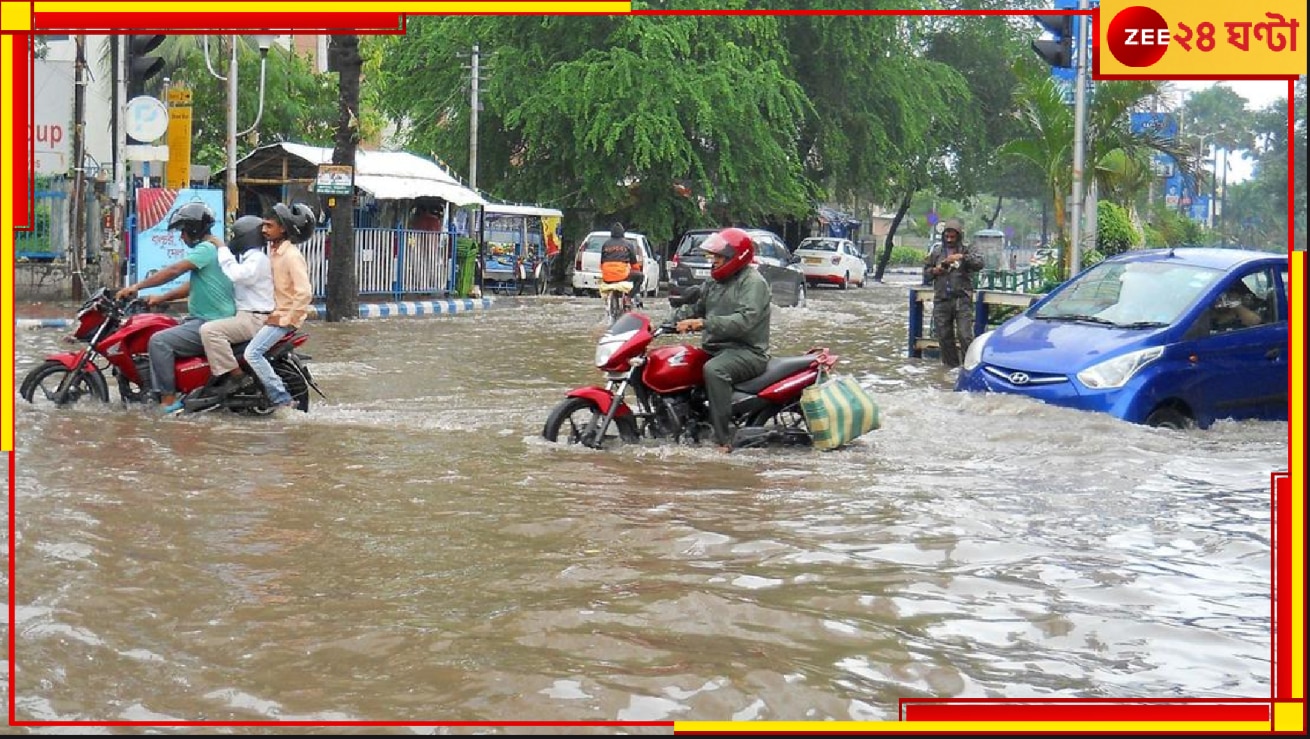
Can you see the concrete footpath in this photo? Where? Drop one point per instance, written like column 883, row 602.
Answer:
column 58, row 315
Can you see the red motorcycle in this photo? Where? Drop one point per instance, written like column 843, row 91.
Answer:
column 117, row 334
column 668, row 385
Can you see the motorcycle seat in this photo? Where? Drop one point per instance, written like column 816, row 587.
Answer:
column 777, row 369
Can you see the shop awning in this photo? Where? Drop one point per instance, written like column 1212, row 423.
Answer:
column 386, row 175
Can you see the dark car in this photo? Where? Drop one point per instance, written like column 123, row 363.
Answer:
column 688, row 265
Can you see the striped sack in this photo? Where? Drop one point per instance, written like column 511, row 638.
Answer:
column 838, row 411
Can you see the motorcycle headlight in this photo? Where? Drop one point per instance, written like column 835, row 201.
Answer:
column 610, row 343
column 1115, row 372
column 973, row 357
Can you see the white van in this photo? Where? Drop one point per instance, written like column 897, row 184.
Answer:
column 586, row 263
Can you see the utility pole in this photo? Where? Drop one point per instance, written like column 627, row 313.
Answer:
column 1079, row 141
column 77, row 201
column 473, row 124
column 473, row 156
column 118, row 230
column 230, row 192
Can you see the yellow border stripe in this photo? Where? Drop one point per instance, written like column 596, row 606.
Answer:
column 7, row 243
column 1296, row 453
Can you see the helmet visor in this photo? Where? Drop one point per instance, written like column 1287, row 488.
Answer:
column 716, row 245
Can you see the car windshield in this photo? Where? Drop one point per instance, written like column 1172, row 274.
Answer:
column 818, row 245
column 1146, row 293
column 691, row 244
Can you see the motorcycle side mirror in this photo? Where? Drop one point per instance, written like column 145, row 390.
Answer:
column 688, row 296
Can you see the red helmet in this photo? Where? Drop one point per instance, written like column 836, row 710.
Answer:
column 733, row 244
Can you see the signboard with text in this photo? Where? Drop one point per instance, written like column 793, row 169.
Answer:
column 334, row 179
column 52, row 117
column 1184, row 39
column 155, row 246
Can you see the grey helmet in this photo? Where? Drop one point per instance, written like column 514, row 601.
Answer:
column 193, row 219
column 247, row 233
column 297, row 220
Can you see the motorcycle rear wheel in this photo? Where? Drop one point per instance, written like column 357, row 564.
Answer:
column 788, row 420
column 574, row 416
column 42, row 385
column 295, row 385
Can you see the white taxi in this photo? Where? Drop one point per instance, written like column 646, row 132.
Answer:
column 830, row 260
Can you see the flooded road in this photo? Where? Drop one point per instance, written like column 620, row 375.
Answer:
column 412, row 550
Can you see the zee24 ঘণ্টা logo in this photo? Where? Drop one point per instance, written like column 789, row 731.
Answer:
column 1205, row 38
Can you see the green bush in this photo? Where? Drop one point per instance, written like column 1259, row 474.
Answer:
column 907, row 255
column 1115, row 232
column 466, row 262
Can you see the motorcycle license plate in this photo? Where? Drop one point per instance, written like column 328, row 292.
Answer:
column 700, row 274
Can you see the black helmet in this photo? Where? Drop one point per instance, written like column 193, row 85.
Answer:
column 617, row 231
column 247, row 233
column 297, row 220
column 193, row 219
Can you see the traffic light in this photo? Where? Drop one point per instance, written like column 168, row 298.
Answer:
column 1057, row 52
column 140, row 67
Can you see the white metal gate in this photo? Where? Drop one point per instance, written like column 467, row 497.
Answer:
column 394, row 262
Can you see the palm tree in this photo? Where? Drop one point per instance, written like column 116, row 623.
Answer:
column 1117, row 156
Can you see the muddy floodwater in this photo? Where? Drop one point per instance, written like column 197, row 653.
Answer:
column 411, row 550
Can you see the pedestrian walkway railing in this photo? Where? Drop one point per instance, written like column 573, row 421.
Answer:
column 48, row 239
column 1019, row 281
column 987, row 304
column 392, row 262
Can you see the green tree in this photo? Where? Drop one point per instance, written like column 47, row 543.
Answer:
column 1259, row 208
column 1110, row 140
column 983, row 49
column 299, row 104
column 604, row 115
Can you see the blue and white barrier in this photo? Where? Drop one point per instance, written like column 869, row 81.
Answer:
column 43, row 322
column 412, row 308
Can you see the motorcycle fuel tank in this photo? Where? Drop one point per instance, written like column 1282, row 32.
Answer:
column 673, row 368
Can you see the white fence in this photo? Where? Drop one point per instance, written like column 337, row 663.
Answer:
column 388, row 261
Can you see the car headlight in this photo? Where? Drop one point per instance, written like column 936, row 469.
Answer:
column 973, row 357
column 1115, row 372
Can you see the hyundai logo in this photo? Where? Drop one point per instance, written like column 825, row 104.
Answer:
column 1019, row 378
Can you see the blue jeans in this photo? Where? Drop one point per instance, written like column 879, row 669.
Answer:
column 255, row 351
column 183, row 340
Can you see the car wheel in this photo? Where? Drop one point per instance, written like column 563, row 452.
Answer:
column 1170, row 417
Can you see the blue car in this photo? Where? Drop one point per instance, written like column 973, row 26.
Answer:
column 1170, row 337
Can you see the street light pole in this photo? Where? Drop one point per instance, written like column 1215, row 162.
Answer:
column 1079, row 140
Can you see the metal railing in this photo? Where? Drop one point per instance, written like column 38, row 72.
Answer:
column 393, row 262
column 48, row 239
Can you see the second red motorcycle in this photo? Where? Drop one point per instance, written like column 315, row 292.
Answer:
column 117, row 335
column 668, row 390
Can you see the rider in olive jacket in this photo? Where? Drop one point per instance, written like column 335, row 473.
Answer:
column 733, row 311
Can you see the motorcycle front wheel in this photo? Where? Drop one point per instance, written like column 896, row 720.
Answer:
column 42, row 385
column 575, row 421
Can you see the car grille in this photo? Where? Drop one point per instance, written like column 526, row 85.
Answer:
column 1023, row 378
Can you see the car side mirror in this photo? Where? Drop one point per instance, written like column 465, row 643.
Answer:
column 793, row 259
